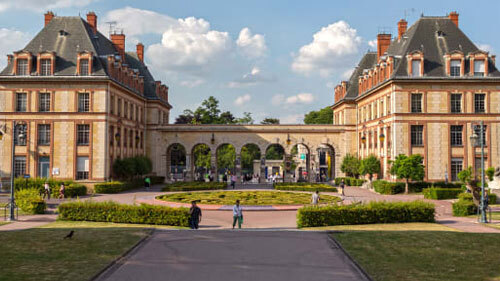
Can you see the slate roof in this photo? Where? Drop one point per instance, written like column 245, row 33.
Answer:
column 435, row 37
column 78, row 36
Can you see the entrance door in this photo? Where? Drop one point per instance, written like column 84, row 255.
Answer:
column 44, row 167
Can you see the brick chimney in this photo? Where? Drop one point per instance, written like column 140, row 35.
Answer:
column 119, row 43
column 140, row 52
column 402, row 25
column 92, row 20
column 48, row 17
column 383, row 42
column 453, row 16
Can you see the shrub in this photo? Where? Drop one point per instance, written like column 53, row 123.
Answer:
column 74, row 190
column 122, row 213
column 192, row 186
column 38, row 184
column 350, row 181
column 373, row 212
column 490, row 173
column 441, row 193
column 29, row 201
column 463, row 208
column 442, row 184
column 492, row 198
column 113, row 187
column 305, row 186
column 385, row 187
column 132, row 166
column 157, row 179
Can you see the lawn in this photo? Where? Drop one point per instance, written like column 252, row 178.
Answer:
column 424, row 255
column 494, row 216
column 411, row 226
column 246, row 198
column 3, row 222
column 43, row 254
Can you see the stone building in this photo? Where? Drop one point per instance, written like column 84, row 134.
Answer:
column 423, row 92
column 80, row 101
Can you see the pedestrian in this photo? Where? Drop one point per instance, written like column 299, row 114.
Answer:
column 147, row 183
column 195, row 215
column 46, row 190
column 62, row 190
column 315, row 198
column 233, row 181
column 342, row 186
column 237, row 214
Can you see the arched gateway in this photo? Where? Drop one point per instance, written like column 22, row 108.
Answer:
column 309, row 152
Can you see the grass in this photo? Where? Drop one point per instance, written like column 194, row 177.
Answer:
column 494, row 216
column 3, row 222
column 92, row 224
column 246, row 198
column 43, row 254
column 412, row 226
column 424, row 255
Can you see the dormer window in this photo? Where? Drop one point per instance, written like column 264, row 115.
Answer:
column 415, row 68
column 84, row 63
column 455, row 67
column 22, row 67
column 84, row 67
column 45, row 67
column 479, row 68
column 415, row 63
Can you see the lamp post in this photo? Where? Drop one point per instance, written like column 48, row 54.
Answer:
column 474, row 141
column 21, row 136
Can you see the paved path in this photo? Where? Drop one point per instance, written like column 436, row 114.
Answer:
column 26, row 222
column 235, row 255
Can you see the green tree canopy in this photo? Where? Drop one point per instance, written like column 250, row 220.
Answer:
column 408, row 168
column 226, row 156
column 369, row 166
column 269, row 121
column 350, row 165
column 249, row 153
column 322, row 116
column 202, row 156
column 275, row 152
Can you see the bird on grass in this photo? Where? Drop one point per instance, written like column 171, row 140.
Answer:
column 70, row 235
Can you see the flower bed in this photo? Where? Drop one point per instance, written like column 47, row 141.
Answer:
column 305, row 186
column 193, row 186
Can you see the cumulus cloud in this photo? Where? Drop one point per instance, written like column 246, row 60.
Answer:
column 12, row 40
column 250, row 45
column 192, row 83
column 302, row 98
column 333, row 47
column 373, row 43
column 255, row 76
column 41, row 5
column 241, row 100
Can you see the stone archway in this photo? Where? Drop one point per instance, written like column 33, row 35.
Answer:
column 202, row 161
column 176, row 162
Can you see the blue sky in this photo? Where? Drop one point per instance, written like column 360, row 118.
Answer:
column 271, row 58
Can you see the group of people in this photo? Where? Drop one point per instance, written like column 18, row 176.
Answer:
column 46, row 191
column 195, row 215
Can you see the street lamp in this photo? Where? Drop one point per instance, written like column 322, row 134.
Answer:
column 381, row 137
column 20, row 135
column 117, row 138
column 477, row 140
column 363, row 139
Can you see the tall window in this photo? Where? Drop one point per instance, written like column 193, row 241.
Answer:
column 131, row 138
column 111, row 135
column 45, row 67
column 382, row 108
column 82, row 134
column 19, row 166
column 456, row 167
column 142, row 139
column 479, row 68
column 125, row 109
column 44, row 102
column 20, row 129
column 477, row 131
column 131, row 111
column 388, row 104
column 83, row 102
column 456, row 135
column 22, row 67
column 479, row 103
column 119, row 110
column 43, row 134
column 415, row 68
column 125, row 138
column 456, row 103
column 455, row 67
column 21, row 102
column 112, row 105
column 82, row 167
column 417, row 135
column 137, row 139
column 416, row 103
column 84, row 67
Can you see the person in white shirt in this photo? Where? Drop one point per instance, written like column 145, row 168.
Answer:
column 315, row 198
column 237, row 214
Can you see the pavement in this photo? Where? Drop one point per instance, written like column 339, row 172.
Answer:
column 27, row 222
column 235, row 255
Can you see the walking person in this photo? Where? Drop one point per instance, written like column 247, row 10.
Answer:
column 342, row 186
column 315, row 198
column 233, row 181
column 62, row 190
column 195, row 215
column 147, row 183
column 46, row 190
column 237, row 214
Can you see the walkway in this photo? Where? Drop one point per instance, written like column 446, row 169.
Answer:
column 26, row 222
column 235, row 255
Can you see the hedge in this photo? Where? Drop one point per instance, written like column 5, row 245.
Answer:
column 492, row 197
column 373, row 212
column 441, row 193
column 193, row 186
column 350, row 181
column 73, row 189
column 114, row 187
column 157, row 179
column 123, row 213
column 305, row 186
column 385, row 187
column 29, row 201
column 463, row 208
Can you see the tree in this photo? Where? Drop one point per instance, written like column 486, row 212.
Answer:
column 185, row 118
column 142, row 165
column 408, row 168
column 269, row 121
column 322, row 116
column 202, row 156
column 370, row 166
column 225, row 156
column 275, row 152
column 249, row 153
column 350, row 165
column 246, row 119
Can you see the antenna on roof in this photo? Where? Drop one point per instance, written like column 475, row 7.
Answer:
column 112, row 25
column 384, row 30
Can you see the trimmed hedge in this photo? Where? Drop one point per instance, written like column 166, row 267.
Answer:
column 193, row 186
column 305, row 186
column 29, row 201
column 386, row 187
column 441, row 193
column 350, row 181
column 492, row 197
column 114, row 187
column 73, row 189
column 157, row 180
column 373, row 212
column 463, row 208
column 122, row 213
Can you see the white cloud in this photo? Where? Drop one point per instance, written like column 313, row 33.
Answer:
column 241, row 100
column 255, row 76
column 12, row 40
column 333, row 47
column 373, row 43
column 41, row 5
column 486, row 48
column 292, row 119
column 302, row 98
column 277, row 99
column 252, row 46
column 192, row 83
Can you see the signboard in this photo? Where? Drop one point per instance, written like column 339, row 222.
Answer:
column 302, row 156
column 55, row 171
column 26, row 176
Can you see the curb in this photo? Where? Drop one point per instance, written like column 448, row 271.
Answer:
column 116, row 263
column 354, row 264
